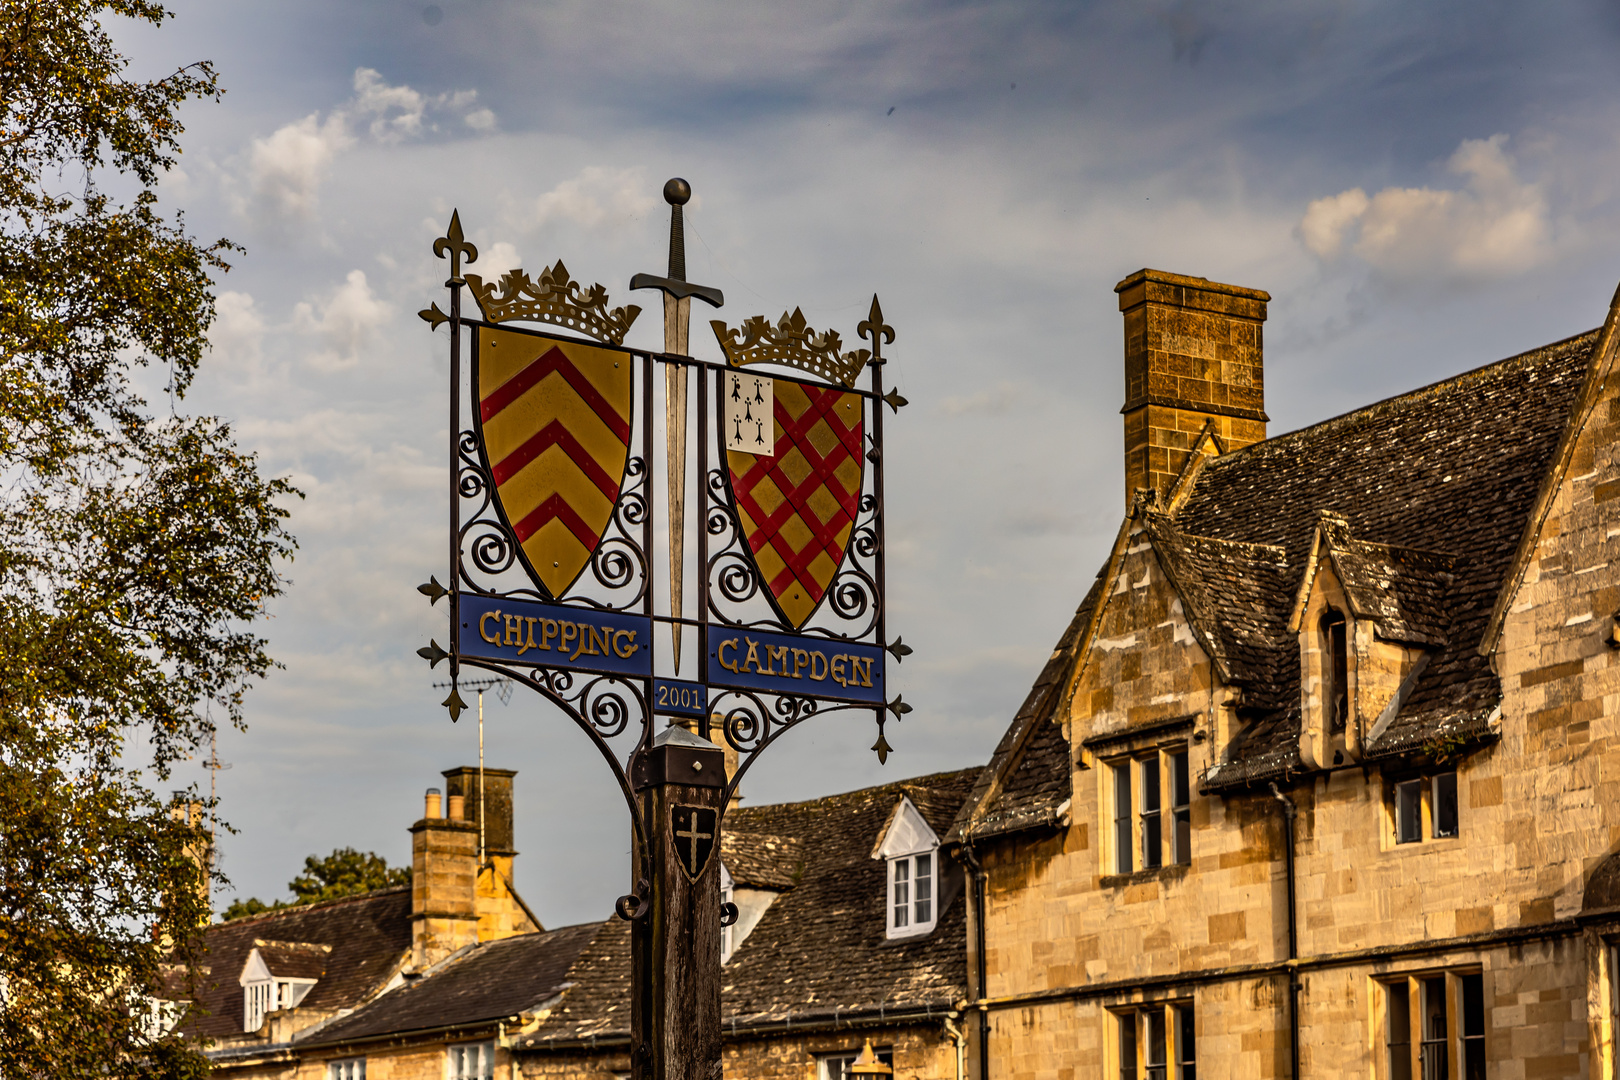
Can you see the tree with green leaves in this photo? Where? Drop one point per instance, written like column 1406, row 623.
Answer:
column 137, row 548
column 345, row 872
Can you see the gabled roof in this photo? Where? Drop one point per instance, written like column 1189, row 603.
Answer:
column 905, row 833
column 369, row 935
column 485, row 983
column 1400, row 591
column 820, row 949
column 1436, row 490
column 286, row 960
column 1452, row 467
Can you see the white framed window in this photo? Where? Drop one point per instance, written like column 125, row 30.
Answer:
column 472, row 1061
column 1151, row 795
column 1425, row 808
column 156, row 1016
column 912, row 879
column 912, row 893
column 346, row 1069
column 258, row 998
column 1155, row 1041
column 836, row 1066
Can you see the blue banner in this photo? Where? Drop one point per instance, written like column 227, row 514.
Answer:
column 795, row 664
column 555, row 636
column 673, row 697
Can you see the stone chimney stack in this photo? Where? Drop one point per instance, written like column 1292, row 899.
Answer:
column 444, row 867
column 1193, row 352
column 501, row 912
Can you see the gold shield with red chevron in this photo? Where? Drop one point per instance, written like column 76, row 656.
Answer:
column 797, row 507
column 554, row 418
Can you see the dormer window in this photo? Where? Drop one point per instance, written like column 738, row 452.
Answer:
column 1335, row 669
column 910, row 850
column 911, row 894
column 278, row 975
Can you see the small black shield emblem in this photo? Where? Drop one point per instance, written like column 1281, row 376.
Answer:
column 694, row 832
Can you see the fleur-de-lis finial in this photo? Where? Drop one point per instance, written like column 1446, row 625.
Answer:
column 455, row 245
column 876, row 330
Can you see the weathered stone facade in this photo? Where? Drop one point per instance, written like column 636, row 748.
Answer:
column 1443, row 772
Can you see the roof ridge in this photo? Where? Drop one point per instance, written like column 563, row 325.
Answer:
column 310, row 905
column 915, row 781
column 1395, row 399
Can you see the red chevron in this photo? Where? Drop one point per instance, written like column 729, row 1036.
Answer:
column 556, row 507
column 554, row 434
column 555, row 360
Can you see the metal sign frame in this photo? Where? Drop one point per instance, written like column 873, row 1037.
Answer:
column 503, row 620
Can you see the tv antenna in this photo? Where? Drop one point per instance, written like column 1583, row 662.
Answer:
column 503, row 690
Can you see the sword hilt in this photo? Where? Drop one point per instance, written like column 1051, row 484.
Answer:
column 676, row 193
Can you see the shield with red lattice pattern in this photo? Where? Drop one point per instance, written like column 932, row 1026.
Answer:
column 797, row 507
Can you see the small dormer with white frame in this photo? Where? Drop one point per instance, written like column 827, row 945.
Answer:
column 913, row 877
column 270, row 984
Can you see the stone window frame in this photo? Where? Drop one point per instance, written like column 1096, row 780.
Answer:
column 1127, row 1057
column 835, row 1065
column 1429, row 789
column 1174, row 842
column 1465, row 1039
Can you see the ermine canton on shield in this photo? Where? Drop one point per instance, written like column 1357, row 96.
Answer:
column 555, row 419
column 797, row 507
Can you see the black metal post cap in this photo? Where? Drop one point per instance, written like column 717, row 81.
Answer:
column 677, row 191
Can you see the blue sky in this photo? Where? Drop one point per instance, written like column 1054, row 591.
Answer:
column 1421, row 187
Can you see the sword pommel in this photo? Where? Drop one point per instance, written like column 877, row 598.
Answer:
column 676, row 193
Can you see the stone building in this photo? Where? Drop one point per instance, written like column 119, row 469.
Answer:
column 1320, row 781
column 850, row 933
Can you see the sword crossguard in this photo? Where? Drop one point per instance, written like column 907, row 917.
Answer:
column 676, row 193
column 680, row 290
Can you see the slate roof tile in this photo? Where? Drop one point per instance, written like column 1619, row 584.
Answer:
column 488, row 982
column 1435, row 488
column 369, row 936
column 820, row 947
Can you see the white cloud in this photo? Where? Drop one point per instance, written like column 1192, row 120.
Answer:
column 396, row 111
column 345, row 322
column 496, row 259
column 286, row 169
column 237, row 334
column 1494, row 225
column 596, row 197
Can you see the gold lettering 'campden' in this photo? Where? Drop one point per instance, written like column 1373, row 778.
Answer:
column 843, row 669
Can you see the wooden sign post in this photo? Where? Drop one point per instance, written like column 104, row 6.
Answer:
column 675, row 946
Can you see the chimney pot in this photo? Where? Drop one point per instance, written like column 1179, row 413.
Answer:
column 458, row 807
column 1193, row 358
column 433, row 804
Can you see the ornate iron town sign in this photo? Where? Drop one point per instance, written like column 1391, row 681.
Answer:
column 553, row 574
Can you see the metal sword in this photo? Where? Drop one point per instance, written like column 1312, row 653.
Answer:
column 678, row 293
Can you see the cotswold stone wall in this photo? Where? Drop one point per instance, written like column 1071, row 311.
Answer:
column 1537, row 811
